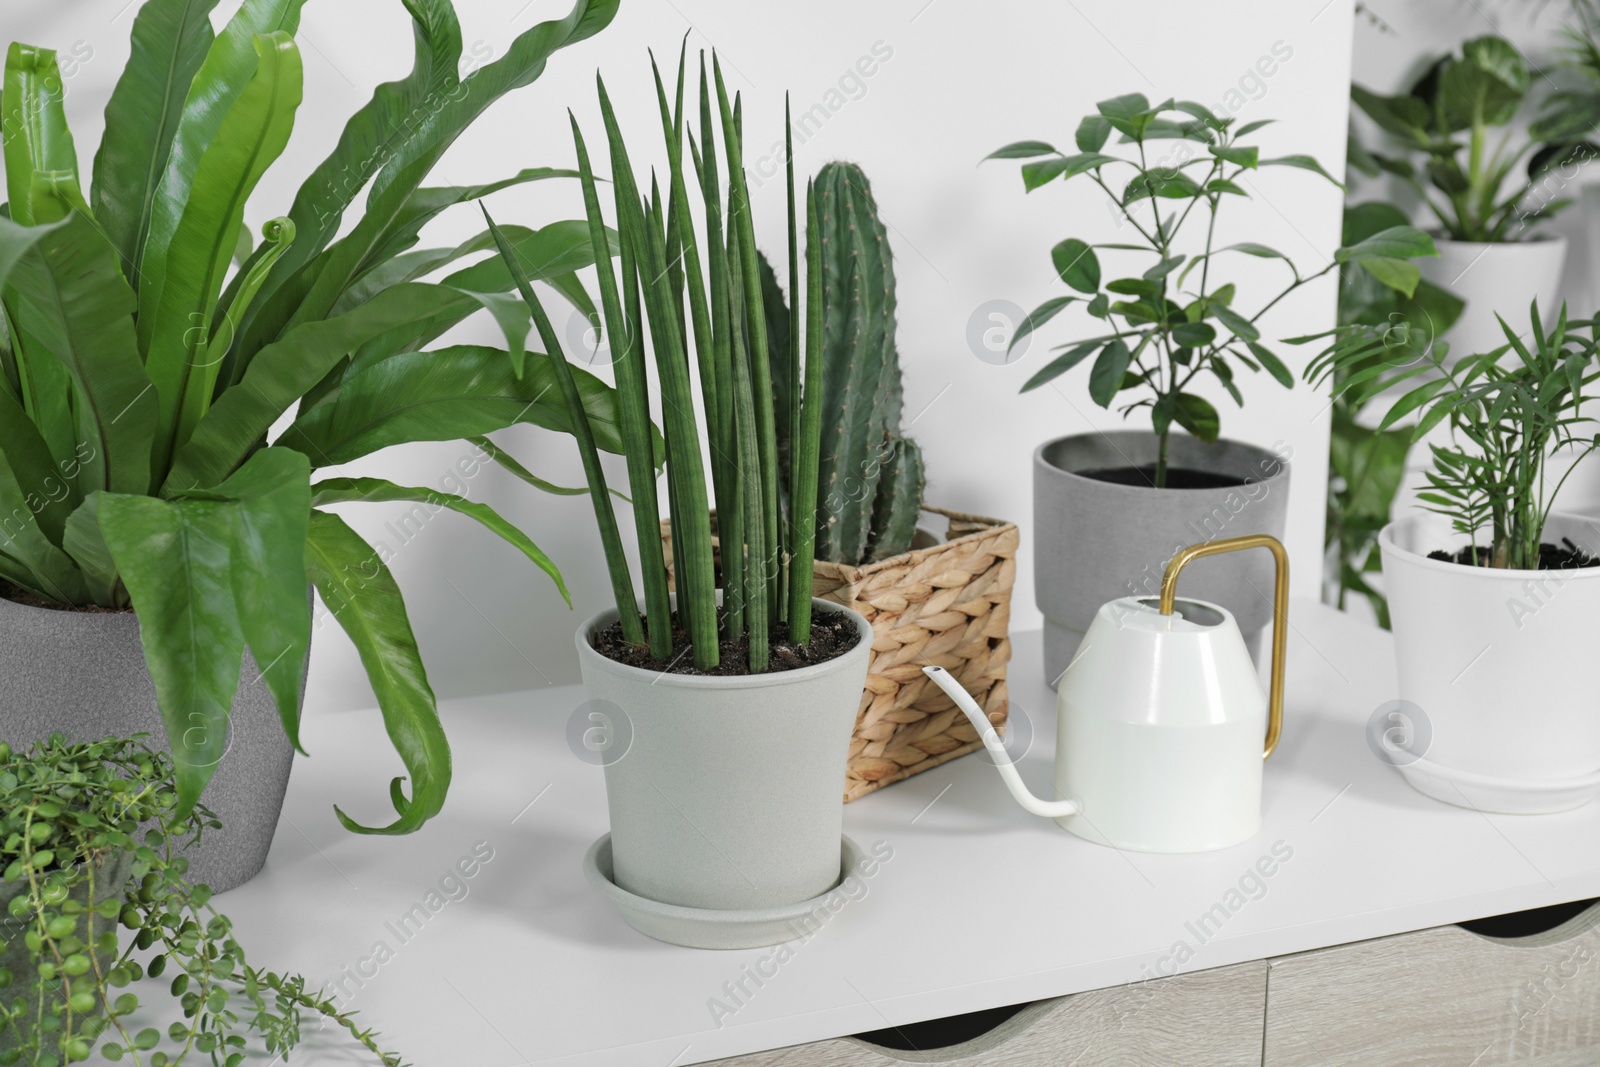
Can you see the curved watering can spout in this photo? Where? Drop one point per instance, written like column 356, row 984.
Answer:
column 1050, row 809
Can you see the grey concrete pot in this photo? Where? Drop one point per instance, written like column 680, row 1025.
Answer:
column 83, row 673
column 1096, row 541
column 727, row 792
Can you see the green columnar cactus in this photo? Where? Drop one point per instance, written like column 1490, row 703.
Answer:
column 871, row 476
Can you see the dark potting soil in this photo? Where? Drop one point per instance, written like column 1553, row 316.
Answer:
column 1177, row 477
column 18, row 595
column 1562, row 557
column 832, row 635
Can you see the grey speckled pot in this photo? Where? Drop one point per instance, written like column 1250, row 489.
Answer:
column 1095, row 541
column 84, row 674
column 727, row 792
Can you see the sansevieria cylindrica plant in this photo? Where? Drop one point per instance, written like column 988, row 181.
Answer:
column 149, row 344
column 700, row 297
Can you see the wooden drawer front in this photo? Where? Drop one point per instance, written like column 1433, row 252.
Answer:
column 1206, row 1019
column 1440, row 997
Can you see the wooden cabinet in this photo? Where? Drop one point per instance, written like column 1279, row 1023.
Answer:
column 1443, row 997
column 1439, row 997
column 1205, row 1019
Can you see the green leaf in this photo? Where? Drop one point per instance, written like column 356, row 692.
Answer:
column 285, row 371
column 1194, row 334
column 271, row 496
column 1486, row 84
column 358, row 588
column 1128, row 114
column 1039, row 316
column 347, row 490
column 1236, row 323
column 1397, row 274
column 1092, row 133
column 1021, row 150
column 1404, row 116
column 170, row 40
column 442, row 395
column 1251, row 248
column 1077, row 265
column 34, row 561
column 1167, row 182
column 174, row 558
column 177, row 338
column 1301, row 163
column 1251, row 127
column 84, row 542
column 51, row 490
column 410, row 152
column 1105, row 380
column 74, row 305
column 38, row 145
column 1195, row 414
column 1060, row 365
column 1223, row 185
column 1396, row 242
column 1241, row 155
column 1040, row 172
column 522, row 473
column 1274, row 366
column 228, row 67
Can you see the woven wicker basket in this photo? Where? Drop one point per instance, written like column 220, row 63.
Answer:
column 948, row 603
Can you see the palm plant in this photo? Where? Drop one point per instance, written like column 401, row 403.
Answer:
column 1507, row 418
column 142, row 377
column 766, row 586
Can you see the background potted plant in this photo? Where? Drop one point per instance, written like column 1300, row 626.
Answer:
column 1367, row 466
column 97, row 895
column 141, row 378
column 728, row 795
column 1474, row 182
column 1112, row 508
column 1494, row 610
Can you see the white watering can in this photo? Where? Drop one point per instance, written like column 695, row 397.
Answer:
column 1160, row 720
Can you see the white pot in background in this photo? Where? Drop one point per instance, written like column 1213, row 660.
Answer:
column 1502, row 668
column 1491, row 278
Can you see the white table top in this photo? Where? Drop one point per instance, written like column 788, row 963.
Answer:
column 981, row 905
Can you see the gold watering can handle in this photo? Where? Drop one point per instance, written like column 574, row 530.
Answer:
column 1280, row 611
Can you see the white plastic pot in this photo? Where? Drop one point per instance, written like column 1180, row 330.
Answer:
column 1496, row 278
column 1502, row 667
column 727, row 792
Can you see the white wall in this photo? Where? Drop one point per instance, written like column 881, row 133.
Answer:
column 959, row 80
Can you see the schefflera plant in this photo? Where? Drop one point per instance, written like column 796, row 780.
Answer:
column 1177, row 322
column 701, row 296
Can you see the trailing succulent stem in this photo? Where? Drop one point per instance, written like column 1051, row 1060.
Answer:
column 698, row 298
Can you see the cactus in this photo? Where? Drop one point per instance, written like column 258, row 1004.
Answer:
column 871, row 477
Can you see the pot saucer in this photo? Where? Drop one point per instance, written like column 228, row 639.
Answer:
column 712, row 928
column 1509, row 796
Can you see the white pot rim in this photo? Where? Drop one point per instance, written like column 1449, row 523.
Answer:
column 1386, row 540
column 1543, row 241
column 726, row 682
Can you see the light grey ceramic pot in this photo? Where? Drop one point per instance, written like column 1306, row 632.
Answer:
column 1095, row 541
column 727, row 792
column 84, row 674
